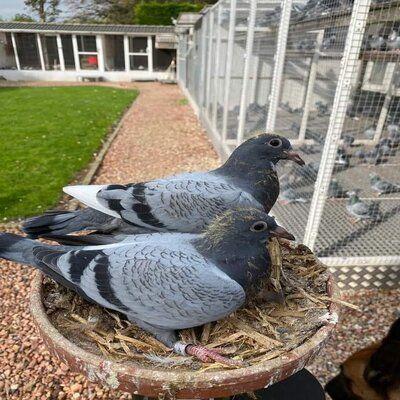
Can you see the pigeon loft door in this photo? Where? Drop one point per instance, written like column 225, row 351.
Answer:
column 140, row 51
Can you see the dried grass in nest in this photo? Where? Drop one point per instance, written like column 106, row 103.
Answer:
column 286, row 311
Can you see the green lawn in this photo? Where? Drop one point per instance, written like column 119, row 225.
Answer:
column 47, row 135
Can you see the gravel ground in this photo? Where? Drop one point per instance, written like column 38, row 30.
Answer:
column 160, row 136
column 357, row 329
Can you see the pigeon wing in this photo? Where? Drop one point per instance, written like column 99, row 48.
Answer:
column 171, row 287
column 185, row 203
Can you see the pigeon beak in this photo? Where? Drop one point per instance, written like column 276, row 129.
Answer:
column 291, row 155
column 282, row 233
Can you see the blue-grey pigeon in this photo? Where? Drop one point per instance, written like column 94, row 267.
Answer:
column 185, row 203
column 360, row 209
column 381, row 186
column 164, row 282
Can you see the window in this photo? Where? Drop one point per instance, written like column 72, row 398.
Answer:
column 87, row 52
column 50, row 52
column 138, row 45
column 68, row 52
column 139, row 52
column 7, row 56
column 114, row 53
column 86, row 43
column 139, row 63
column 27, row 49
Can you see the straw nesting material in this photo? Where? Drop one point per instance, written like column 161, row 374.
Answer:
column 286, row 310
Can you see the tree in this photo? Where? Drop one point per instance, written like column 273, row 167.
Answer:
column 162, row 13
column 102, row 11
column 117, row 11
column 47, row 10
column 22, row 18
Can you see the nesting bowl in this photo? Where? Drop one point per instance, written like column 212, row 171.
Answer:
column 155, row 382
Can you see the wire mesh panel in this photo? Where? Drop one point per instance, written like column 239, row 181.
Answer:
column 333, row 89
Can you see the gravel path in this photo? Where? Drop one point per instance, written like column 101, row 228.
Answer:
column 160, row 136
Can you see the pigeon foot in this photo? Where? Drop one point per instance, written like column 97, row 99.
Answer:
column 208, row 355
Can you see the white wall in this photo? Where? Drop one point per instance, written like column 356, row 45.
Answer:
column 14, row 75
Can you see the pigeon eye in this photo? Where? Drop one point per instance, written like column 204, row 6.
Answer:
column 259, row 226
column 275, row 142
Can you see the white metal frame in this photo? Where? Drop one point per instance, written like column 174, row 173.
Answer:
column 228, row 69
column 60, row 52
column 310, row 86
column 76, row 56
column 148, row 53
column 351, row 54
column 279, row 64
column 217, row 67
column 246, row 70
column 14, row 44
column 209, row 59
column 40, row 50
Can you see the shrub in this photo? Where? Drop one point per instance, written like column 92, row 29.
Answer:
column 155, row 13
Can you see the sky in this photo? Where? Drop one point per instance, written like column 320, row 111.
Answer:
column 8, row 8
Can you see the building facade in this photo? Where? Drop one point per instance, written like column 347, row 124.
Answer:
column 71, row 52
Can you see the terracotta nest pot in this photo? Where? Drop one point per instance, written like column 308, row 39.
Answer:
column 151, row 382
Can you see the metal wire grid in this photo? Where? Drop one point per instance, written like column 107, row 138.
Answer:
column 337, row 99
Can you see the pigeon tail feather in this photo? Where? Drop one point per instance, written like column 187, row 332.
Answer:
column 53, row 221
column 17, row 248
column 87, row 194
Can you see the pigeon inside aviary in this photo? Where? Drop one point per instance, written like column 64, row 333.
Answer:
column 393, row 41
column 322, row 108
column 336, row 191
column 186, row 202
column 370, row 132
column 342, row 158
column 289, row 195
column 377, row 42
column 361, row 210
column 381, row 186
column 166, row 281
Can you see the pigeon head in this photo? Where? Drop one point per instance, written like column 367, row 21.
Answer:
column 264, row 149
column 373, row 177
column 243, row 227
column 236, row 242
column 353, row 196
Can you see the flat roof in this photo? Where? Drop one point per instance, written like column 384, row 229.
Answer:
column 83, row 28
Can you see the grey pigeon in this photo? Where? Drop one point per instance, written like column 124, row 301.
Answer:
column 348, row 140
column 322, row 108
column 385, row 147
column 336, row 191
column 342, row 158
column 393, row 129
column 381, row 186
column 394, row 134
column 370, row 132
column 302, row 176
column 360, row 209
column 289, row 196
column 377, row 42
column 393, row 41
column 166, row 281
column 372, row 156
column 183, row 203
column 328, row 42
